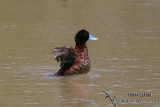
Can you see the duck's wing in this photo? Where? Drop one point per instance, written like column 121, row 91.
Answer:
column 66, row 56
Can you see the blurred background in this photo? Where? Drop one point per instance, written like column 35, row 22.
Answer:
column 125, row 58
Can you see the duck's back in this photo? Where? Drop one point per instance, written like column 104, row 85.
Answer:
column 72, row 61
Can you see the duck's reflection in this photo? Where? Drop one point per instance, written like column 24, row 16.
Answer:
column 74, row 89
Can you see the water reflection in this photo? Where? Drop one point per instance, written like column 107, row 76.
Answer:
column 74, row 90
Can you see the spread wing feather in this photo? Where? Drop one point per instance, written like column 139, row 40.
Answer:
column 66, row 56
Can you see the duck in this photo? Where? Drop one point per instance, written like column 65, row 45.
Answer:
column 74, row 60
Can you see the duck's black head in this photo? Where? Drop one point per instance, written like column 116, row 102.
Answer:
column 83, row 36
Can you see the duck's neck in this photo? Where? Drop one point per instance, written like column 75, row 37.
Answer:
column 81, row 50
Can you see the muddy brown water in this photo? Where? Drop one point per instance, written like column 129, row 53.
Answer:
column 125, row 60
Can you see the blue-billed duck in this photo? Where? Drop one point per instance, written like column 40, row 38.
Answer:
column 74, row 61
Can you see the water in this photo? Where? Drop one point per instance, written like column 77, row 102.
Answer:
column 124, row 60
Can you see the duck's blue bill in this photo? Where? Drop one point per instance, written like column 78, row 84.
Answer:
column 92, row 38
